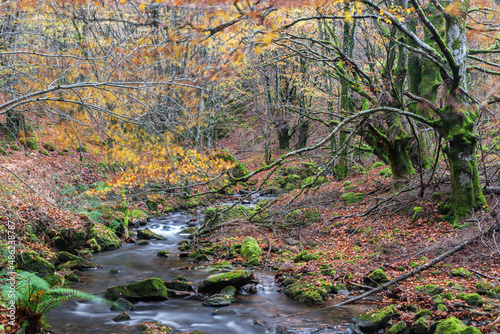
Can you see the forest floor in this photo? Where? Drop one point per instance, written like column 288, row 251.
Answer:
column 393, row 230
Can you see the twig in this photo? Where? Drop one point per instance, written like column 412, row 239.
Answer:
column 484, row 275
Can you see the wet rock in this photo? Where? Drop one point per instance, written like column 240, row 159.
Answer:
column 179, row 285
column 150, row 327
column 142, row 242
column 217, row 282
column 225, row 311
column 376, row 278
column 420, row 326
column 71, row 278
column 113, row 271
column 374, row 320
column 163, row 253
column 249, row 288
column 399, row 328
column 251, row 251
column 32, row 262
column 292, row 241
column 148, row 289
column 178, row 294
column 218, row 300
column 121, row 317
column 147, row 234
column 104, row 237
column 121, row 304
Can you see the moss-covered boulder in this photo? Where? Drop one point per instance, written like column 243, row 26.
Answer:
column 67, row 239
column 148, row 289
column 218, row 300
column 147, row 234
column 423, row 313
column 201, row 254
column 350, row 198
column 460, row 272
column 105, row 237
column 138, row 214
column 217, row 282
column 430, row 289
column 420, row 326
column 312, row 181
column 304, row 256
column 483, row 287
column 494, row 292
column 307, row 292
column 374, row 320
column 327, row 269
column 68, row 261
column 121, row 304
column 178, row 285
column 251, row 251
column 399, row 328
column 93, row 245
column 376, row 278
column 451, row 325
column 122, row 317
column 473, row 299
column 154, row 328
column 32, row 262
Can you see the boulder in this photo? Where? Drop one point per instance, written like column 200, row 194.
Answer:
column 121, row 304
column 449, row 326
column 147, row 234
column 374, row 320
column 217, row 282
column 32, row 262
column 105, row 238
column 121, row 317
column 154, row 328
column 251, row 251
column 178, row 285
column 399, row 328
column 145, row 290
column 483, row 287
column 376, row 278
column 218, row 300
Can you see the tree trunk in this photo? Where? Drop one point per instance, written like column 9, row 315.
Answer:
column 399, row 159
column 466, row 194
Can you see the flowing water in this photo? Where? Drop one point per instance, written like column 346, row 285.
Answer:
column 267, row 311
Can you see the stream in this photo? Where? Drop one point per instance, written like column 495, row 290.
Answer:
column 266, row 311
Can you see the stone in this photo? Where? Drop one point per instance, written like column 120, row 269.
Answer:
column 451, row 325
column 225, row 311
column 399, row 328
column 218, row 300
column 32, row 262
column 483, row 287
column 374, row 320
column 420, row 326
column 150, row 327
column 147, row 234
column 217, row 282
column 423, row 313
column 142, row 242
column 376, row 278
column 121, row 304
column 178, row 285
column 251, row 251
column 145, row 290
column 460, row 272
column 105, row 237
column 121, row 317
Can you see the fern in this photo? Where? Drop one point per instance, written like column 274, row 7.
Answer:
column 34, row 297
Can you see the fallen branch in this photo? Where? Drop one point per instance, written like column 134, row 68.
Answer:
column 492, row 190
column 484, row 275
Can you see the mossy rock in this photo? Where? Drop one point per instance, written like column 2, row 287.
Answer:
column 420, row 326
column 217, row 282
column 121, row 304
column 83, row 149
column 483, row 287
column 451, row 325
column 327, row 269
column 145, row 290
column 312, row 293
column 154, row 328
column 251, row 251
column 387, row 172
column 471, row 330
column 430, row 289
column 142, row 242
column 304, row 256
column 32, row 262
column 14, row 148
column 32, row 143
column 138, row 214
column 460, row 272
column 423, row 313
column 51, row 147
column 122, row 317
column 239, row 169
column 93, row 245
column 147, row 234
column 189, row 230
column 163, row 253
column 291, row 187
column 494, row 292
column 375, row 320
column 71, row 278
column 399, row 328
column 218, row 300
column 376, row 278
column 105, row 237
column 350, row 198
column 473, row 299
column 301, row 217
column 178, row 285
column 377, row 165
column 68, row 239
column 312, row 181
column 152, row 205
column 201, row 254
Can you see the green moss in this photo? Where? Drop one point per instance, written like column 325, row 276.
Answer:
column 416, row 215
column 473, row 299
column 350, row 198
column 239, row 170
column 31, row 143
column 494, row 292
column 312, row 181
column 14, row 148
column 387, row 172
column 460, row 272
column 304, row 256
column 104, row 237
column 217, row 282
column 375, row 320
column 451, row 325
column 441, row 307
column 44, row 152
column 327, row 269
column 399, row 328
column 147, row 234
column 138, row 214
column 483, row 286
column 420, row 326
column 148, row 289
column 163, row 253
column 251, row 251
column 376, row 278
column 423, row 313
column 51, row 147
column 152, row 205
column 471, row 330
column 83, row 149
column 32, row 262
column 377, row 165
column 309, row 292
